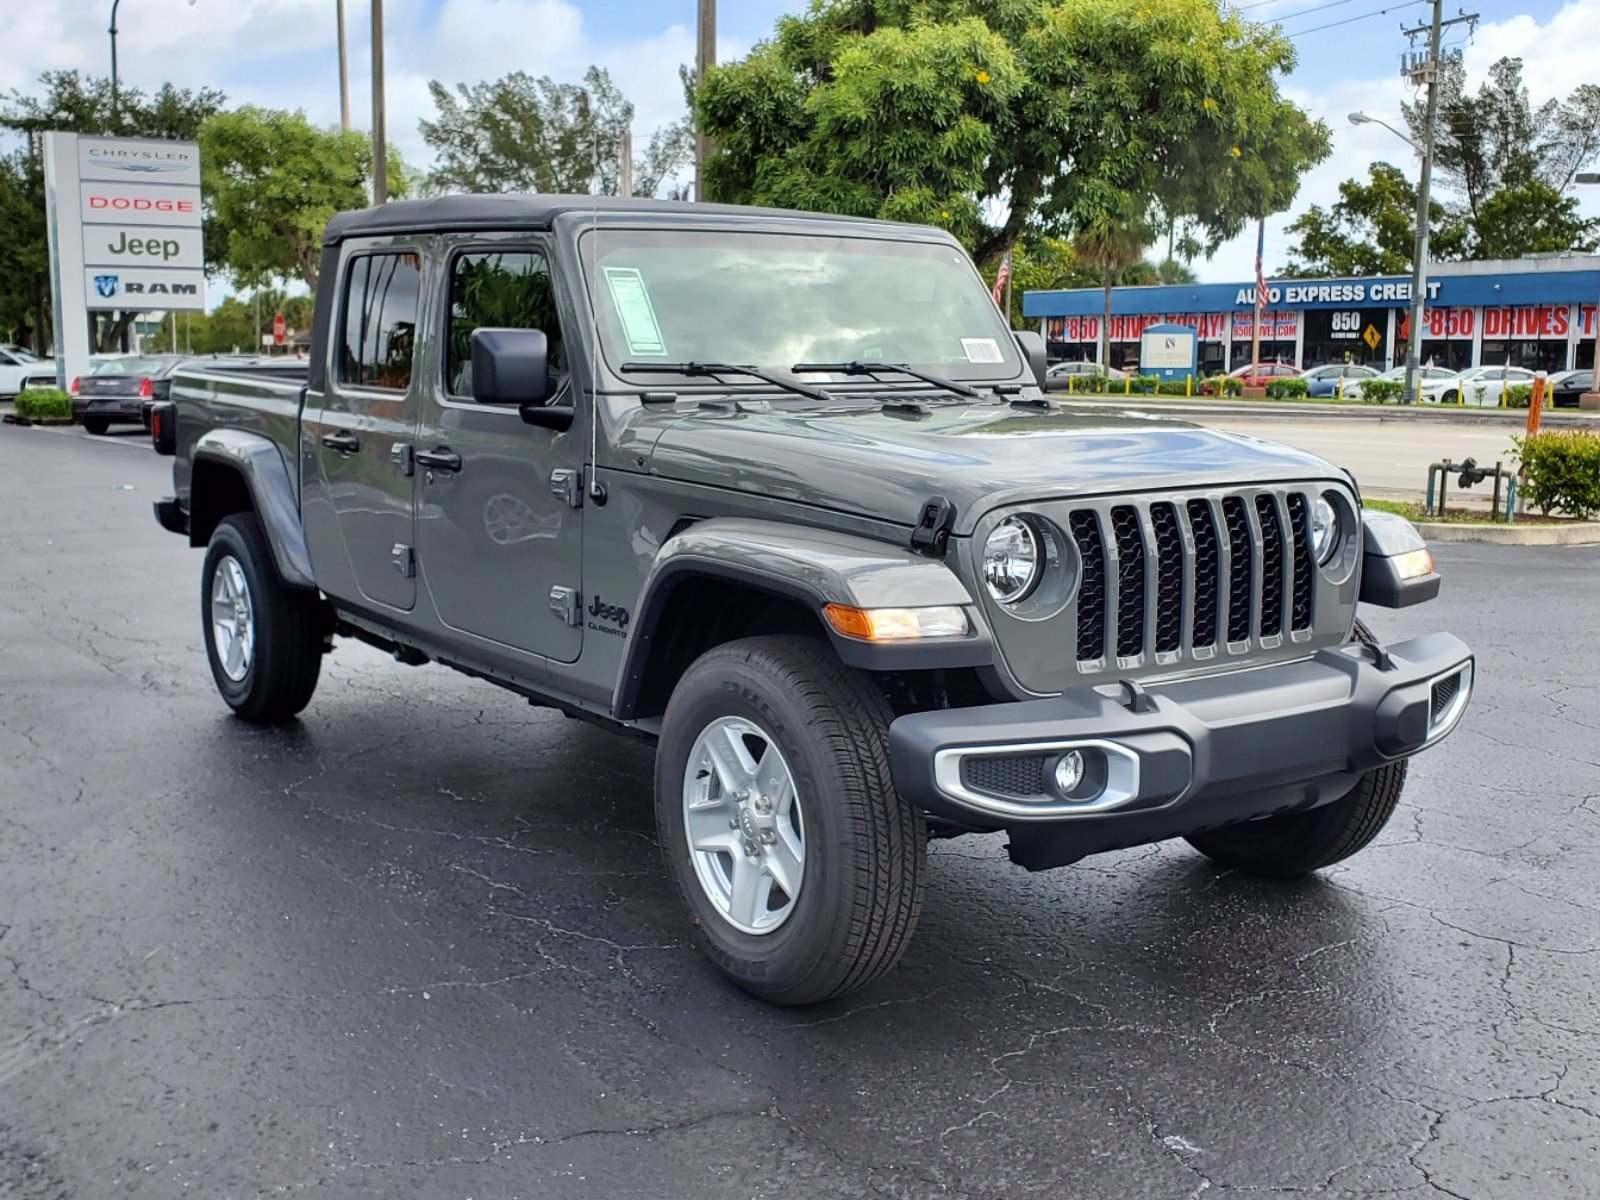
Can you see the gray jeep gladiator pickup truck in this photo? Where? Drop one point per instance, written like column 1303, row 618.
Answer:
column 781, row 493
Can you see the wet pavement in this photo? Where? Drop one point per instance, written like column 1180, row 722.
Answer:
column 419, row 944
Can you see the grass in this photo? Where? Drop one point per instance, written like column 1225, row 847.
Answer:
column 1413, row 511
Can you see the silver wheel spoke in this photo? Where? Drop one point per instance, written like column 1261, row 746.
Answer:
column 747, row 899
column 233, row 633
column 743, row 824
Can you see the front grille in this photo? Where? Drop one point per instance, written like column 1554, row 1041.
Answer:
column 1191, row 573
column 1445, row 691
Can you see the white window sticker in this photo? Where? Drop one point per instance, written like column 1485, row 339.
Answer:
column 982, row 350
column 634, row 310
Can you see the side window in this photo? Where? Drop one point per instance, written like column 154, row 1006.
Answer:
column 380, row 320
column 509, row 289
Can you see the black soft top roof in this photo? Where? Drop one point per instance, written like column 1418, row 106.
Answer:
column 444, row 214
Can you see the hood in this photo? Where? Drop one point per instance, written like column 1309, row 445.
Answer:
column 886, row 465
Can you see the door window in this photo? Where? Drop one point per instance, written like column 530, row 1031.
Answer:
column 509, row 289
column 380, row 320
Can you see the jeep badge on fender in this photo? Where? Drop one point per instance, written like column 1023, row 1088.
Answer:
column 782, row 494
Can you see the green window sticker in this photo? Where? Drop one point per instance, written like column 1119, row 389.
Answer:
column 638, row 316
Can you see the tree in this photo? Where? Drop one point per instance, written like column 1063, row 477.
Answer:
column 1530, row 218
column 1496, row 139
column 1114, row 245
column 71, row 103
column 521, row 134
column 1371, row 229
column 999, row 119
column 272, row 179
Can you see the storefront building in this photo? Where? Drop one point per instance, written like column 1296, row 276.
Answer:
column 1537, row 313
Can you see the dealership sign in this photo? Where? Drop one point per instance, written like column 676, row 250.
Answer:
column 124, row 221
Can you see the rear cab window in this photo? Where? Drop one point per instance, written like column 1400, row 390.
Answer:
column 377, row 342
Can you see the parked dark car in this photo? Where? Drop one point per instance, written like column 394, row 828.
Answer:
column 117, row 391
column 1566, row 387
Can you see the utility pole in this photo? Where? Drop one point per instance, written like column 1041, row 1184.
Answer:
column 705, row 59
column 625, row 164
column 344, row 71
column 380, row 148
column 113, row 32
column 1424, row 69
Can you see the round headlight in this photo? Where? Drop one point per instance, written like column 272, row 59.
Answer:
column 1011, row 560
column 1324, row 530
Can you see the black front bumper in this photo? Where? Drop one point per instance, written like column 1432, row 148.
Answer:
column 1178, row 758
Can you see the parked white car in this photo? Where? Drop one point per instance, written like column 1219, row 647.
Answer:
column 1484, row 385
column 19, row 369
column 1432, row 382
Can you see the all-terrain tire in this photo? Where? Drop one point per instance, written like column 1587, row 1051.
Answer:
column 98, row 426
column 1299, row 843
column 288, row 627
column 865, row 849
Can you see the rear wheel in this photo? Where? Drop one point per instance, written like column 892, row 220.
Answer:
column 96, row 425
column 264, row 639
column 1450, row 397
column 800, row 867
column 1299, row 843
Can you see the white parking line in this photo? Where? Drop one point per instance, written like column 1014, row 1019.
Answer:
column 140, row 441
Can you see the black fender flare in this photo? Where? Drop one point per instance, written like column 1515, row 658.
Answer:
column 258, row 460
column 812, row 567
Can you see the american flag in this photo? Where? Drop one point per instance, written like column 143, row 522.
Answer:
column 1001, row 279
column 1261, row 277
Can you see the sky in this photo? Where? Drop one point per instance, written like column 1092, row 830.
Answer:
column 282, row 53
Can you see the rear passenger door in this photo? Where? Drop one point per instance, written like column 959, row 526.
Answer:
column 359, row 497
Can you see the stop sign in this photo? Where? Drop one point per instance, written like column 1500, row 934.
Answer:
column 280, row 330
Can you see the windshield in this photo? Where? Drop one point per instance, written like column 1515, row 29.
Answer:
column 777, row 300
column 21, row 355
column 132, row 366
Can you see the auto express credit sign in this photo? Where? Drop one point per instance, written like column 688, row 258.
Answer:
column 124, row 217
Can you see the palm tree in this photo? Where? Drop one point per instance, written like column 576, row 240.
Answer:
column 1113, row 245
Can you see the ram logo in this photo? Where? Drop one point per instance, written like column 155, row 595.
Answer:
column 106, row 285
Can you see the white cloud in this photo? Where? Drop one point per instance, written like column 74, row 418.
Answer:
column 1558, row 56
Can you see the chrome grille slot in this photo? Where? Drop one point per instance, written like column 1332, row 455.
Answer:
column 1272, row 566
column 1241, row 568
column 1130, row 581
column 1207, row 572
column 1300, row 539
column 1085, row 529
column 1169, row 578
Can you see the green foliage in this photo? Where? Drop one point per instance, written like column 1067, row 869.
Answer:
column 1561, row 470
column 1287, row 389
column 521, row 134
column 1495, row 139
column 1174, row 387
column 1371, row 229
column 1530, row 218
column 273, row 179
column 1226, row 385
column 1518, row 395
column 71, row 103
column 1051, row 113
column 44, row 404
column 1143, row 385
column 1381, row 391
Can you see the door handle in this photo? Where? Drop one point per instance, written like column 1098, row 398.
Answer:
column 441, row 458
column 344, row 443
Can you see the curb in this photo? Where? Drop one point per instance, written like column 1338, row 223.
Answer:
column 1579, row 533
column 1514, row 418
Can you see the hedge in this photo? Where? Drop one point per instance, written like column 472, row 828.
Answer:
column 1284, row 389
column 1226, row 385
column 44, row 404
column 1561, row 470
column 1519, row 395
column 1381, row 391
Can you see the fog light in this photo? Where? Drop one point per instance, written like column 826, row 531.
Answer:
column 1068, row 773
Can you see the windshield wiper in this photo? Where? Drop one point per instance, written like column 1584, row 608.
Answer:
column 862, row 368
column 711, row 370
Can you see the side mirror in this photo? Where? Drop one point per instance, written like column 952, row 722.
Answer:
column 1031, row 343
column 512, row 366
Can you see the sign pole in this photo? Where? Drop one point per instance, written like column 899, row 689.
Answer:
column 380, row 147
column 65, row 227
column 1419, row 264
column 1261, row 287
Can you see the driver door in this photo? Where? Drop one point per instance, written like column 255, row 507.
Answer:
column 499, row 533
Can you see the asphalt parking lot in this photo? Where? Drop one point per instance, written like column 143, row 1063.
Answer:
column 419, row 945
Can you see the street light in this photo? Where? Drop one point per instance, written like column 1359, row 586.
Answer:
column 1591, row 398
column 1419, row 260
column 113, row 32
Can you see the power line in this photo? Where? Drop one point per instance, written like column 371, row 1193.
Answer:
column 1304, row 12
column 1351, row 20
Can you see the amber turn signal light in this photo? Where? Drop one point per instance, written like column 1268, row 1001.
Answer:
column 896, row 624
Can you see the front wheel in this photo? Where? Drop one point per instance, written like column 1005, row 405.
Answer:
column 1450, row 398
column 1299, row 843
column 264, row 639
column 801, row 869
